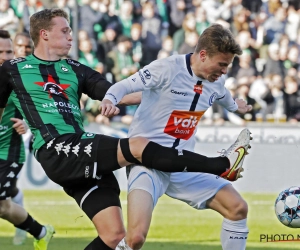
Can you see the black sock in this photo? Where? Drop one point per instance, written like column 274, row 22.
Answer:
column 97, row 244
column 171, row 160
column 31, row 226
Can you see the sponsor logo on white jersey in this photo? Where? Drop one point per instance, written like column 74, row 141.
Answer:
column 147, row 74
column 182, row 124
column 212, row 98
column 178, row 92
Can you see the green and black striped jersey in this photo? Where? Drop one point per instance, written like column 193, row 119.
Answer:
column 11, row 143
column 47, row 93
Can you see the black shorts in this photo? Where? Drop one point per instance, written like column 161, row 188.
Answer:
column 96, row 195
column 73, row 159
column 82, row 164
column 8, row 172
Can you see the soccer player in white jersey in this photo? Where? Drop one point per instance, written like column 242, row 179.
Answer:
column 176, row 91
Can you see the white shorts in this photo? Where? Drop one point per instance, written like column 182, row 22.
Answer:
column 192, row 188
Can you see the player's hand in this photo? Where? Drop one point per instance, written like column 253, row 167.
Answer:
column 242, row 106
column 108, row 109
column 20, row 126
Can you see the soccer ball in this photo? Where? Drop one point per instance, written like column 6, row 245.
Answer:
column 287, row 207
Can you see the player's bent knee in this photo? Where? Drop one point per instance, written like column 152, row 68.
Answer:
column 113, row 240
column 239, row 211
column 5, row 206
column 137, row 145
column 136, row 240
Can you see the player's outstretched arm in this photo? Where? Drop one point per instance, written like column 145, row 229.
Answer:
column 19, row 125
column 108, row 109
column 242, row 106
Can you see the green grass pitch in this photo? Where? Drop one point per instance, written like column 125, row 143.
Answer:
column 175, row 226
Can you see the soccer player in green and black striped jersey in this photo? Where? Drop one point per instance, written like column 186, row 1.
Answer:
column 22, row 47
column 47, row 89
column 12, row 157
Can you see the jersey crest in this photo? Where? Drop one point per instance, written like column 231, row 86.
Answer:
column 53, row 88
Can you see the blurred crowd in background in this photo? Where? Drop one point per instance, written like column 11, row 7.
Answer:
column 118, row 37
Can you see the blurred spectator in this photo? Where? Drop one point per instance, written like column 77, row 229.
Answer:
column 136, row 36
column 23, row 45
column 178, row 10
column 274, row 96
column 242, row 92
column 273, row 64
column 247, row 45
column 253, row 6
column 30, row 8
column 151, row 33
column 188, row 25
column 63, row 4
column 291, row 96
column 292, row 58
column 241, row 21
column 201, row 20
column 270, row 7
column 89, row 16
column 119, row 61
column 86, row 54
column 189, row 44
column 108, row 41
column 8, row 19
column 18, row 7
column 292, row 23
column 109, row 18
column 167, row 48
column 274, row 26
column 245, row 67
column 126, row 17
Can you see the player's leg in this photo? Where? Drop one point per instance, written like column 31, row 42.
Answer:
column 17, row 197
column 140, row 207
column 202, row 191
column 229, row 203
column 16, row 214
column 110, row 228
column 140, row 150
column 99, row 199
column 19, row 217
column 145, row 186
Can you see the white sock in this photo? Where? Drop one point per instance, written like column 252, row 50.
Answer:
column 42, row 234
column 122, row 245
column 18, row 199
column 234, row 234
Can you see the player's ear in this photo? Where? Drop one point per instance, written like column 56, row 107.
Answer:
column 44, row 34
column 202, row 55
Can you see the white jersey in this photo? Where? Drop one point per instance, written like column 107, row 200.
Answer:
column 173, row 101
